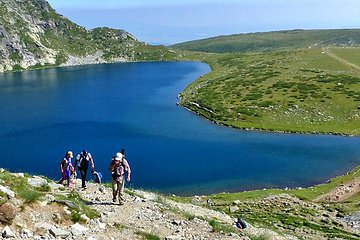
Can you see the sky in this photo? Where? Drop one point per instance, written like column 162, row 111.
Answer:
column 173, row 21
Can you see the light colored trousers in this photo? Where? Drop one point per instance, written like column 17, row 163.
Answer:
column 118, row 188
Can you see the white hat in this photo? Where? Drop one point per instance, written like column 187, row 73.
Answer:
column 119, row 156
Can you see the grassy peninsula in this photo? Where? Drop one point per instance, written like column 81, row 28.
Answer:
column 291, row 81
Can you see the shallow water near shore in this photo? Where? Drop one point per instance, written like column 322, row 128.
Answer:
column 133, row 105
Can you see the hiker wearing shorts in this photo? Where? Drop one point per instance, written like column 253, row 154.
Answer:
column 118, row 166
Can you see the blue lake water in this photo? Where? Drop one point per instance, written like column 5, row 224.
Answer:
column 107, row 107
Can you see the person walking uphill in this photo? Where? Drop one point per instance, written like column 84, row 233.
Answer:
column 82, row 162
column 118, row 166
column 66, row 168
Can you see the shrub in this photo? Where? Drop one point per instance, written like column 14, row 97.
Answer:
column 148, row 236
column 220, row 227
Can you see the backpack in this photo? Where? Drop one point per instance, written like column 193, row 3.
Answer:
column 241, row 224
column 97, row 177
column 118, row 170
column 84, row 162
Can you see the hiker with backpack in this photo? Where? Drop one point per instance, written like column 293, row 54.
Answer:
column 66, row 168
column 82, row 163
column 118, row 166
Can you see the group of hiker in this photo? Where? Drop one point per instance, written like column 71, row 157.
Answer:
column 118, row 166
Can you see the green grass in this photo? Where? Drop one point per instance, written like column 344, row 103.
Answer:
column 260, row 210
column 260, row 237
column 350, row 54
column 269, row 41
column 147, row 236
column 292, row 91
column 21, row 187
column 80, row 207
column 220, row 227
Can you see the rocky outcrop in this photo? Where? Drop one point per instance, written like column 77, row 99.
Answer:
column 60, row 215
column 7, row 213
column 49, row 210
column 32, row 35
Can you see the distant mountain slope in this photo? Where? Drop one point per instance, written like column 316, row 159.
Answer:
column 33, row 35
column 278, row 40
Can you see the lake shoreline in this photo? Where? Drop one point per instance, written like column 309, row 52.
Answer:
column 263, row 129
column 174, row 128
column 179, row 103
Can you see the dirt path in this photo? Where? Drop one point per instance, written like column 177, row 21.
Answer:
column 343, row 61
column 342, row 192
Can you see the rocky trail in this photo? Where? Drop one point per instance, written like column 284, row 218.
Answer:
column 144, row 215
column 339, row 59
column 342, row 192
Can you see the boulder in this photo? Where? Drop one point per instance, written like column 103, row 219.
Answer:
column 7, row 213
column 173, row 238
column 36, row 181
column 78, row 229
column 7, row 233
column 43, row 225
column 7, row 191
column 233, row 208
column 59, row 233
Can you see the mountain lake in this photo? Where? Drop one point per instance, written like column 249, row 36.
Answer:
column 106, row 107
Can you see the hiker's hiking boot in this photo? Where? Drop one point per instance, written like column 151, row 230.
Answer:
column 114, row 200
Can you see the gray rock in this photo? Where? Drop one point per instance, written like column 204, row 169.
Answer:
column 7, row 233
column 59, row 233
column 50, row 198
column 198, row 200
column 236, row 202
column 36, row 181
column 173, row 238
column 19, row 174
column 7, row 191
column 78, row 229
column 233, row 209
column 55, row 186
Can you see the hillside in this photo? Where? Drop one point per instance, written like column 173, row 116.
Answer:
column 33, row 35
column 288, row 81
column 277, row 40
column 33, row 207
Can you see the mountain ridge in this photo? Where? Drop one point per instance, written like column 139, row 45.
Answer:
column 274, row 40
column 34, row 35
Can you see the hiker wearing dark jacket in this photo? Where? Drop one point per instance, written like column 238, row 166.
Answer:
column 82, row 163
column 118, row 166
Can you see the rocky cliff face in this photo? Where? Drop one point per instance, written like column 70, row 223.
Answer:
column 32, row 35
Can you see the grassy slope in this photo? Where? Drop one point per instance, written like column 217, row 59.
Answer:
column 66, row 38
column 302, row 90
column 294, row 213
column 268, row 41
